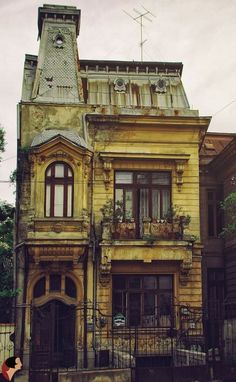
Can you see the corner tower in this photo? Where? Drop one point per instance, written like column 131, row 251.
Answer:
column 57, row 73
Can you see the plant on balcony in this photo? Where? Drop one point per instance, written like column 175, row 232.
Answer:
column 107, row 211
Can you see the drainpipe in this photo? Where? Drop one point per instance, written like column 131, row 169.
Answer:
column 85, row 307
column 92, row 238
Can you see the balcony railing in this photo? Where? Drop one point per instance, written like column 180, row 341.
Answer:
column 146, row 230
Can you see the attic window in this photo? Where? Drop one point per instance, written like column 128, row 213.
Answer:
column 119, row 85
column 209, row 146
column 59, row 41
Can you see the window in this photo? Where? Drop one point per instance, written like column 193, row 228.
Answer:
column 214, row 215
column 144, row 300
column 56, row 283
column 142, row 194
column 39, row 288
column 59, row 190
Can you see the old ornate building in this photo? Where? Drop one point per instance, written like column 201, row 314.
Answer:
column 108, row 235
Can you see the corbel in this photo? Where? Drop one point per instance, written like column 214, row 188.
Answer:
column 86, row 163
column 179, row 166
column 185, row 269
column 105, row 266
column 107, row 168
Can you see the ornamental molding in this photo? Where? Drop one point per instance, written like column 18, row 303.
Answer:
column 56, row 253
column 105, row 266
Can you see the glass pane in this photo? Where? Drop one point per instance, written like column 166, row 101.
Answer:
column 162, row 178
column 165, row 309
column 165, row 303
column 39, row 289
column 69, row 173
column 143, row 203
column 143, row 177
column 149, row 303
column 134, row 282
column 48, row 199
column 70, row 287
column 165, row 282
column 149, row 282
column 118, row 303
column 49, row 172
column 69, row 200
column 128, row 204
column 165, row 202
column 156, row 204
column 58, row 200
column 134, row 307
column 55, row 282
column 119, row 282
column 59, row 170
column 124, row 177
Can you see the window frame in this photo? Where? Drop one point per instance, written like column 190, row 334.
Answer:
column 135, row 188
column 53, row 181
column 126, row 293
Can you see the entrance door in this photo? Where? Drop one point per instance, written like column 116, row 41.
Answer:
column 53, row 337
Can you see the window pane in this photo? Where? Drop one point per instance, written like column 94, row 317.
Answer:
column 39, row 289
column 134, row 282
column 165, row 282
column 69, row 200
column 59, row 170
column 119, row 303
column 143, row 177
column 134, row 307
column 124, row 177
column 70, row 287
column 165, row 309
column 150, row 282
column 69, row 173
column 49, row 172
column 149, row 303
column 119, row 282
column 165, row 202
column 48, row 199
column 162, row 178
column 55, row 282
column 128, row 204
column 143, row 203
column 156, row 204
column 58, row 200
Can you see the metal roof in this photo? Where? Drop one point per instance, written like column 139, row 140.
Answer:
column 48, row 135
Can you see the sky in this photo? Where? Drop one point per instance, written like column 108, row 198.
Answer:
column 199, row 33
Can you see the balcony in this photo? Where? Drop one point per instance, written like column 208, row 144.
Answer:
column 150, row 230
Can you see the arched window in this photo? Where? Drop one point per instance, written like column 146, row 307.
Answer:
column 59, row 190
column 40, row 287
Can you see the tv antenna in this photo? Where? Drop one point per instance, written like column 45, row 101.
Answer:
column 139, row 19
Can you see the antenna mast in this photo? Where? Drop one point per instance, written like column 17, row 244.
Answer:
column 139, row 19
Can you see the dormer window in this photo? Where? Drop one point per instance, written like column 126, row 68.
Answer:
column 59, row 190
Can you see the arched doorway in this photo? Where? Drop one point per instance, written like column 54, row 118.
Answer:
column 53, row 336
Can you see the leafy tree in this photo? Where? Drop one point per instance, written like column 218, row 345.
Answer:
column 229, row 206
column 6, row 260
column 2, row 141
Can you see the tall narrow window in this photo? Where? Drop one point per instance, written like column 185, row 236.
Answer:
column 59, row 190
column 214, row 213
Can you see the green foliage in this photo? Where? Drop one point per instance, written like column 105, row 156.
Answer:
column 2, row 140
column 229, row 206
column 6, row 260
column 176, row 212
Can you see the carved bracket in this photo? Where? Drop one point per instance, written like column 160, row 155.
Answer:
column 180, row 164
column 185, row 269
column 107, row 168
column 105, row 266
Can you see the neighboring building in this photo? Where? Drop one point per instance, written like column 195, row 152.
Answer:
column 217, row 181
column 105, row 148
